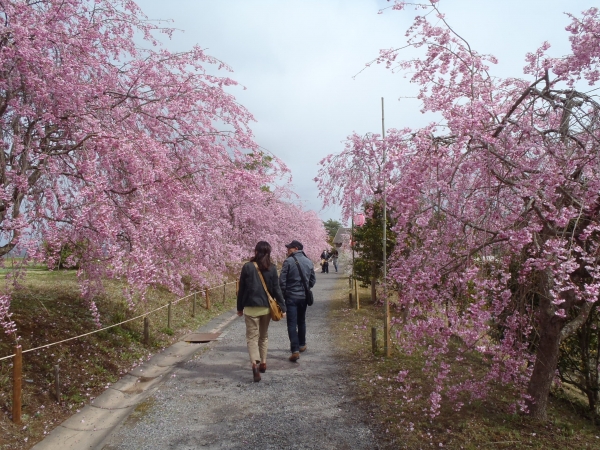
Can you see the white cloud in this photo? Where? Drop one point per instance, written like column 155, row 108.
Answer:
column 297, row 60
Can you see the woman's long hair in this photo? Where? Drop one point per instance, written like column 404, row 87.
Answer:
column 262, row 256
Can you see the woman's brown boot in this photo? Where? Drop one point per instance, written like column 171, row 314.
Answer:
column 256, row 373
column 262, row 368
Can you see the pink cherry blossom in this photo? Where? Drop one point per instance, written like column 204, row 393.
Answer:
column 139, row 159
column 496, row 207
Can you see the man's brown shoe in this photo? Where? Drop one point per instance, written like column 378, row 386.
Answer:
column 262, row 368
column 303, row 348
column 256, row 373
column 295, row 357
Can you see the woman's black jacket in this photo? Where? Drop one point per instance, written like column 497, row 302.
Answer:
column 251, row 291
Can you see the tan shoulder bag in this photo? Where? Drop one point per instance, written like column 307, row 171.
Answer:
column 276, row 312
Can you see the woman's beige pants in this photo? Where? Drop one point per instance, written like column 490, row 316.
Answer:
column 257, row 337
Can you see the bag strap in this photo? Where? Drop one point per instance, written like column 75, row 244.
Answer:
column 306, row 288
column 262, row 280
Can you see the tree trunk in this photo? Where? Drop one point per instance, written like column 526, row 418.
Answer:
column 546, row 361
column 592, row 396
column 373, row 290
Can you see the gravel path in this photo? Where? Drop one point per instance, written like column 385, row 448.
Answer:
column 212, row 402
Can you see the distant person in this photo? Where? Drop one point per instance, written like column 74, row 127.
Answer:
column 252, row 302
column 334, row 259
column 294, row 292
column 325, row 261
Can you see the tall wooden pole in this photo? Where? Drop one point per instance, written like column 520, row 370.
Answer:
column 386, row 326
column 354, row 285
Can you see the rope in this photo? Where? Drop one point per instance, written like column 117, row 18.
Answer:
column 117, row 324
column 220, row 286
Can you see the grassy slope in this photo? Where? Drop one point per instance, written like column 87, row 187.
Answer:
column 48, row 308
column 404, row 424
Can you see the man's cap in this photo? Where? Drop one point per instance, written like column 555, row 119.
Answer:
column 295, row 244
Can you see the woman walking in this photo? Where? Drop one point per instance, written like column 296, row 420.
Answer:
column 252, row 302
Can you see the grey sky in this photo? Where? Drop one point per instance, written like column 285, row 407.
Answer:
column 297, row 60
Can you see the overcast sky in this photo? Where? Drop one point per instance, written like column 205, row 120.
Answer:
column 297, row 60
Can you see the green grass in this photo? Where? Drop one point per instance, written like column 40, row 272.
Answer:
column 12, row 263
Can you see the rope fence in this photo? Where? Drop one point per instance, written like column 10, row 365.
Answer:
column 17, row 366
column 120, row 323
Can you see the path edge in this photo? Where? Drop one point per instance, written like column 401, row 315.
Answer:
column 121, row 399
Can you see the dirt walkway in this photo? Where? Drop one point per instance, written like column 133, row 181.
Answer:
column 212, row 403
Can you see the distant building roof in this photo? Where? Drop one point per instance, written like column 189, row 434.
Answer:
column 342, row 234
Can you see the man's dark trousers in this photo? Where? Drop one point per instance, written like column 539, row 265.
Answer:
column 296, row 323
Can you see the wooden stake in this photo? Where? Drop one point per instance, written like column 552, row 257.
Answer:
column 194, row 305
column 169, row 316
column 357, row 294
column 207, row 299
column 224, row 284
column 146, row 331
column 387, row 345
column 374, row 339
column 57, row 383
column 350, row 298
column 373, row 290
column 17, row 379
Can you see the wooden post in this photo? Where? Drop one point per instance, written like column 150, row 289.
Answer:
column 357, row 295
column 194, row 305
column 146, row 330
column 207, row 299
column 374, row 339
column 57, row 383
column 350, row 298
column 169, row 316
column 387, row 344
column 224, row 284
column 373, row 290
column 17, row 378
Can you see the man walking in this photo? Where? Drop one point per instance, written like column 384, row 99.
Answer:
column 334, row 258
column 325, row 261
column 294, row 293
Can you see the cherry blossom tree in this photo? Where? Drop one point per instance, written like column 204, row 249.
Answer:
column 137, row 156
column 496, row 208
